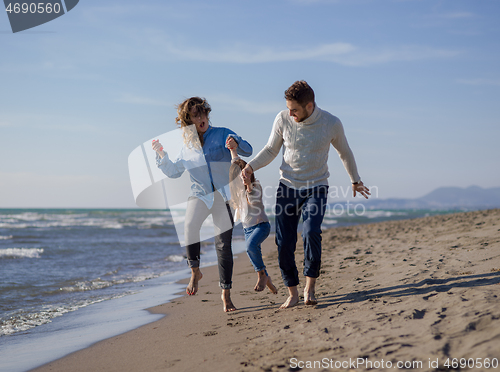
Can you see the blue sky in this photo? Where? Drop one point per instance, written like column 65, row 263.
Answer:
column 416, row 84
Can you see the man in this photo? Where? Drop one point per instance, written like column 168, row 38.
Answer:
column 305, row 132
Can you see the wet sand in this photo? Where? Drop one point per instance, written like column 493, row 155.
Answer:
column 409, row 293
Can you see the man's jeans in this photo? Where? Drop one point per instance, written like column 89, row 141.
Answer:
column 196, row 213
column 290, row 205
column 254, row 236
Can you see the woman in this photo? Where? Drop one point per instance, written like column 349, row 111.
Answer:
column 206, row 156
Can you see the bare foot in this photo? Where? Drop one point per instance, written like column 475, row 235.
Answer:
column 291, row 301
column 192, row 287
column 226, row 300
column 261, row 281
column 293, row 298
column 271, row 286
column 309, row 298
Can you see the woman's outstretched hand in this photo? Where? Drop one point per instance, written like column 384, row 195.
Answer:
column 157, row 146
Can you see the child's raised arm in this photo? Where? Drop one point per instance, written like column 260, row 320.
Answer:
column 232, row 145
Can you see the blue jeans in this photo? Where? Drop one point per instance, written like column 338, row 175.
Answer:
column 254, row 236
column 290, row 205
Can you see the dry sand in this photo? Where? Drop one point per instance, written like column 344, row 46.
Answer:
column 414, row 291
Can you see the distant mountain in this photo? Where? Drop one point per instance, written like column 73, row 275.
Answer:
column 473, row 197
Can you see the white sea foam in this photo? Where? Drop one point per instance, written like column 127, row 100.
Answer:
column 112, row 225
column 87, row 286
column 99, row 283
column 49, row 220
column 175, row 258
column 21, row 252
column 152, row 222
column 23, row 321
column 6, row 237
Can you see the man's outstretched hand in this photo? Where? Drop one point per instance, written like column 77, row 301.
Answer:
column 360, row 188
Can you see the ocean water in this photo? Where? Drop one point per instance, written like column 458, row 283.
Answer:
column 60, row 266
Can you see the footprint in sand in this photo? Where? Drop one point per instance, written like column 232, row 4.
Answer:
column 417, row 314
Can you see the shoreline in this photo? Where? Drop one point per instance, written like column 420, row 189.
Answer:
column 416, row 291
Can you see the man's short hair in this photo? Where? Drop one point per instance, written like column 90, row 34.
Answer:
column 300, row 92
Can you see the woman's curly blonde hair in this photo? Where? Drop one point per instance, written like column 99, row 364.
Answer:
column 191, row 137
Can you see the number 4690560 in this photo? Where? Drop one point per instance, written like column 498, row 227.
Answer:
column 471, row 363
column 33, row 8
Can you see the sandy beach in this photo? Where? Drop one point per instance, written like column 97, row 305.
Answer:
column 411, row 293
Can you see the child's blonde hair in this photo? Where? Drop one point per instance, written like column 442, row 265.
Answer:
column 236, row 186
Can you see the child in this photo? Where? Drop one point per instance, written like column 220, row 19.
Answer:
column 247, row 203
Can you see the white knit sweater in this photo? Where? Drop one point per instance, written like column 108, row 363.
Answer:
column 305, row 149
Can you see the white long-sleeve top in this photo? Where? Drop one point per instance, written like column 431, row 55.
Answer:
column 305, row 149
column 254, row 213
